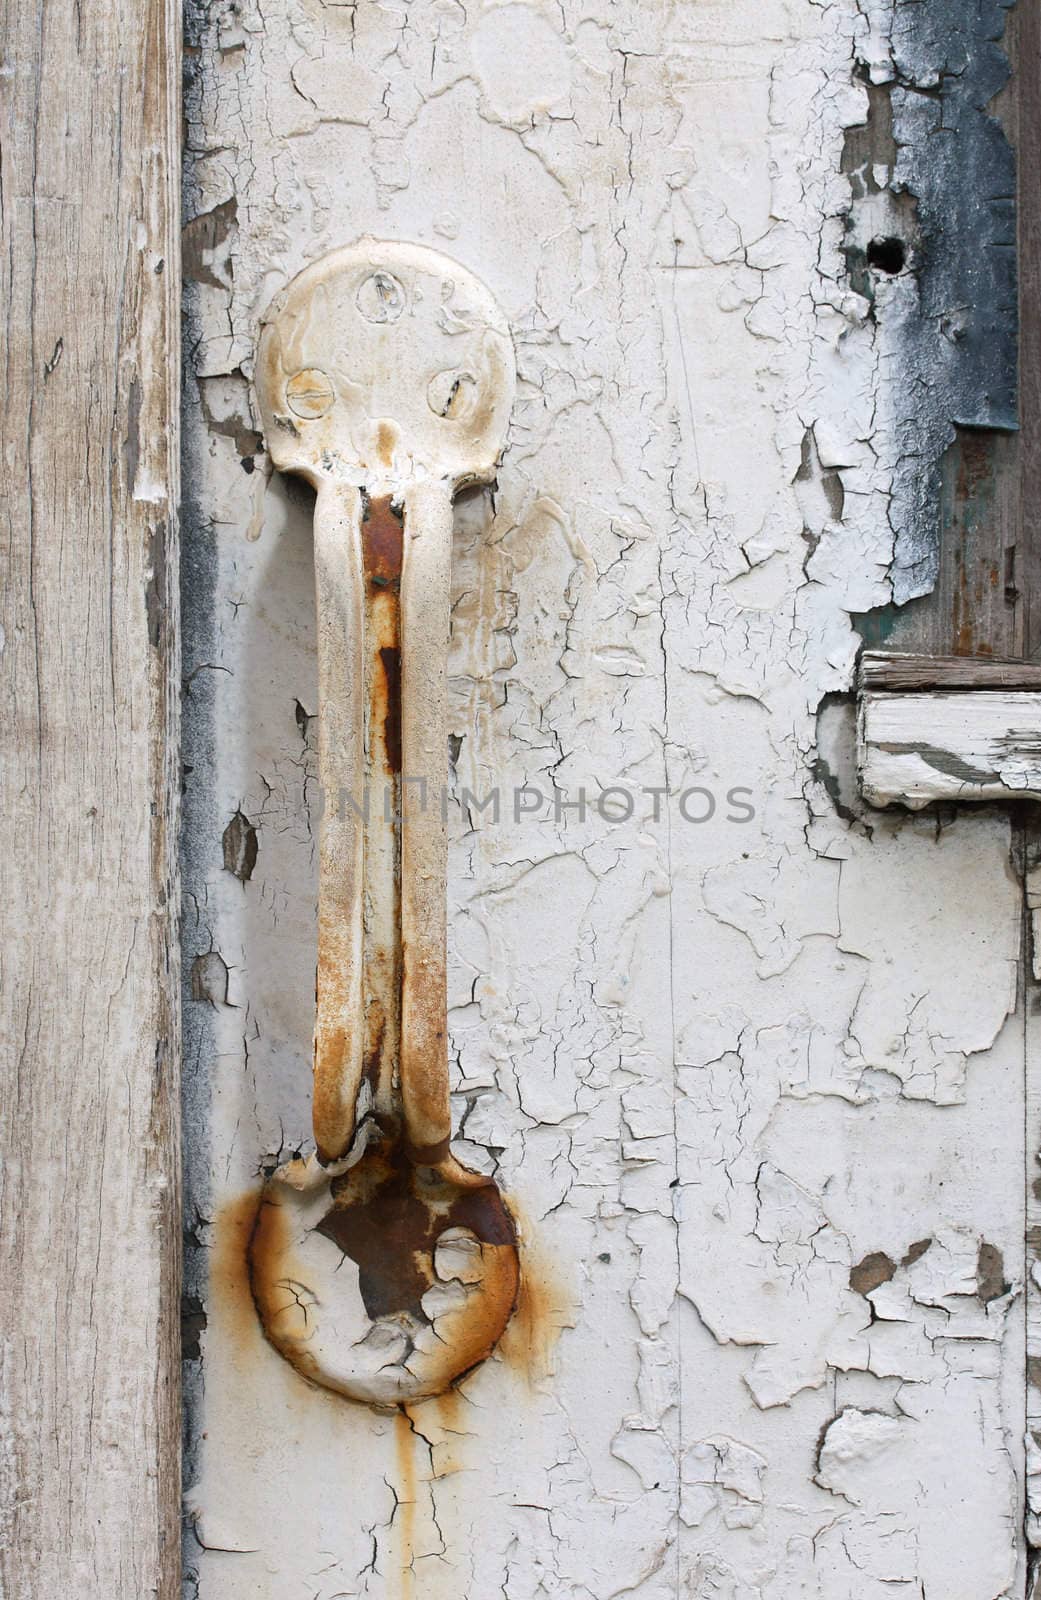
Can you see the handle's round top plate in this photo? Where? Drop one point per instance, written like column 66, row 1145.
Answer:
column 384, row 362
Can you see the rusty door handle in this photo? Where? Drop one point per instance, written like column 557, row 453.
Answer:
column 382, row 1267
column 383, row 595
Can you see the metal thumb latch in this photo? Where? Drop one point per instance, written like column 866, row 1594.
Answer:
column 382, row 1267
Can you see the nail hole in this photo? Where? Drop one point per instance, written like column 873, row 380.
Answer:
column 887, row 255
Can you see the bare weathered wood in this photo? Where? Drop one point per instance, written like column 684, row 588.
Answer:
column 88, row 1121
column 916, row 748
column 987, row 594
column 1025, row 54
column 1025, row 27
column 896, row 671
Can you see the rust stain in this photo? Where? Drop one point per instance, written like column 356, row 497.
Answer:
column 449, row 1406
column 405, row 1514
column 248, row 1261
column 230, row 1294
column 328, row 1110
column 375, row 1028
column 382, row 549
column 428, row 1155
column 449, row 1454
column 386, row 439
column 382, row 538
column 272, row 1274
column 382, row 541
column 387, row 1216
column 390, row 1218
column 542, row 1310
column 531, row 1335
column 276, row 1287
column 332, row 1102
column 390, row 660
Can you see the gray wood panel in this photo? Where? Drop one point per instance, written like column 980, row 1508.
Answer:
column 896, row 670
column 89, row 1260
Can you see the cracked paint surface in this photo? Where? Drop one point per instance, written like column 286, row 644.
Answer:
column 937, row 173
column 755, row 1085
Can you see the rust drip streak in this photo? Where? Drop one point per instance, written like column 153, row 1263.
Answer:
column 405, row 1511
column 382, row 544
column 391, row 660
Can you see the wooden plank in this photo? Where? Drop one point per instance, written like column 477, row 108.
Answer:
column 89, row 1424
column 896, row 671
column 1030, row 851
column 1025, row 31
column 916, row 748
column 986, row 600
column 1025, row 54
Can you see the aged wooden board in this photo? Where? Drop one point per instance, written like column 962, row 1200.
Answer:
column 964, row 728
column 899, row 670
column 1026, row 39
column 89, row 282
column 916, row 748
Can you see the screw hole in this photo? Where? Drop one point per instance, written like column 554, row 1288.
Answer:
column 887, row 255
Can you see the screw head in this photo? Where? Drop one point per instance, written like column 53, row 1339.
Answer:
column 383, row 361
column 451, row 394
column 309, row 394
column 380, row 297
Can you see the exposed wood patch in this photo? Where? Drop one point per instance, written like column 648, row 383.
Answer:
column 881, row 670
column 930, row 244
column 89, row 1261
column 947, row 728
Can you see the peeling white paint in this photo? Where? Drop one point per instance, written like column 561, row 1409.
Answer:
column 718, row 1063
column 916, row 748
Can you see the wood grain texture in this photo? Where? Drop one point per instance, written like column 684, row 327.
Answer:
column 1025, row 54
column 916, row 748
column 985, row 600
column 1026, row 39
column 89, row 1422
column 896, row 670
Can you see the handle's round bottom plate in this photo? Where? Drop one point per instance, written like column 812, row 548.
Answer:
column 387, row 1282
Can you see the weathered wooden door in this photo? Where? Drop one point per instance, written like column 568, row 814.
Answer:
column 752, row 1061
